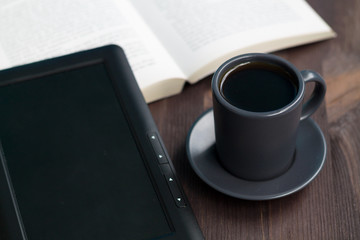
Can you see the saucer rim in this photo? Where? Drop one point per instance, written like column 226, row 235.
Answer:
column 256, row 197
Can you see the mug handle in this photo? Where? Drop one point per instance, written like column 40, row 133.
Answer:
column 317, row 96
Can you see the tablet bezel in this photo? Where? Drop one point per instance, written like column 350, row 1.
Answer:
column 181, row 219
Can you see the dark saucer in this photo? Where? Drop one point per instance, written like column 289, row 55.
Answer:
column 310, row 157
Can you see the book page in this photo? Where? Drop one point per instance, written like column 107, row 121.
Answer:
column 33, row 30
column 202, row 34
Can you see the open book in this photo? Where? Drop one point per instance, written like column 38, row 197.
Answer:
column 167, row 42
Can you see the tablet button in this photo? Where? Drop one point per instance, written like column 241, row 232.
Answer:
column 159, row 152
column 173, row 185
column 180, row 202
column 174, row 189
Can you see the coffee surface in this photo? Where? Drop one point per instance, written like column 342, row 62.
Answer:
column 258, row 87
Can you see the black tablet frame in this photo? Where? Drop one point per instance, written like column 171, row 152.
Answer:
column 181, row 218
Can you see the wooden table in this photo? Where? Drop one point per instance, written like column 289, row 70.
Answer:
column 329, row 207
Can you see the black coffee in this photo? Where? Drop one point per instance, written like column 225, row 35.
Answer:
column 258, row 87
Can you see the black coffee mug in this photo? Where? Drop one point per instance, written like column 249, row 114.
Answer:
column 258, row 102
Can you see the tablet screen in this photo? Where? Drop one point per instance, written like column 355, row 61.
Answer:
column 74, row 164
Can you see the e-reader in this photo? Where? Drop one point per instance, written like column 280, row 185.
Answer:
column 81, row 157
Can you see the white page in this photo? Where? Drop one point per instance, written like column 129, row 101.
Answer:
column 34, row 30
column 207, row 32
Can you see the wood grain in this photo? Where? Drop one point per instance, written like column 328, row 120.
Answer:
column 329, row 207
column 224, row 217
